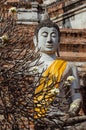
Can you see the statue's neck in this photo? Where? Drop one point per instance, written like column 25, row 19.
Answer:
column 47, row 57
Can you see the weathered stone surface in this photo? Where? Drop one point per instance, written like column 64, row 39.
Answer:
column 73, row 47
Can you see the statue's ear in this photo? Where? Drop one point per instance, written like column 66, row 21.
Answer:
column 58, row 50
column 35, row 41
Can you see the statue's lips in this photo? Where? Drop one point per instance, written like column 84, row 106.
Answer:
column 49, row 46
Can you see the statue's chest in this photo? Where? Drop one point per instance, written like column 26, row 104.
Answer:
column 43, row 66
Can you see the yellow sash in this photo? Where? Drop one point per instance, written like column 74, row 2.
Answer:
column 43, row 93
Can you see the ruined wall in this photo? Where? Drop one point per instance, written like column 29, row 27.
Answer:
column 68, row 14
column 73, row 44
column 80, row 20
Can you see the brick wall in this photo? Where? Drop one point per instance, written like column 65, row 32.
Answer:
column 73, row 45
column 55, row 9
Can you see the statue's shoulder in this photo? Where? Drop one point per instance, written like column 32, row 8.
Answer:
column 33, row 67
column 70, row 64
column 70, row 69
column 62, row 61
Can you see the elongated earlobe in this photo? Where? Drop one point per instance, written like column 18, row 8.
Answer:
column 35, row 43
column 58, row 50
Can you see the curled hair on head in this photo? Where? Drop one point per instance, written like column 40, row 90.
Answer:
column 46, row 23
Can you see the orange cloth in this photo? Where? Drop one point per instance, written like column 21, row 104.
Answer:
column 43, row 93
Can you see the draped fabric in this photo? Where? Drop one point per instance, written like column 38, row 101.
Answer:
column 49, row 81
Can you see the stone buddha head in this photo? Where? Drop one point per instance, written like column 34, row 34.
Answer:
column 47, row 37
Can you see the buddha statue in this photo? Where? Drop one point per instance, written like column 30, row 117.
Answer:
column 51, row 90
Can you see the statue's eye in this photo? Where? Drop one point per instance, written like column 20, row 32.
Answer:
column 53, row 34
column 45, row 34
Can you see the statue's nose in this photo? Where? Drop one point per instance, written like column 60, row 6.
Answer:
column 49, row 39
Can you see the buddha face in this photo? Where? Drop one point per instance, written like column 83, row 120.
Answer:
column 48, row 40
